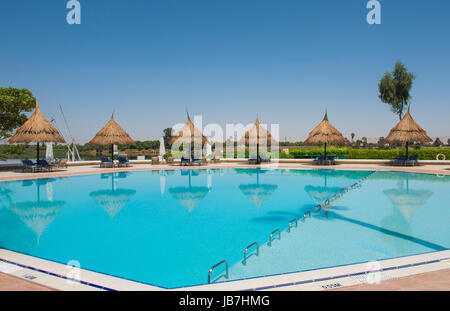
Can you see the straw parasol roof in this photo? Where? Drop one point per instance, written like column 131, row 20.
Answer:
column 112, row 134
column 325, row 133
column 407, row 130
column 37, row 129
column 258, row 135
column 188, row 134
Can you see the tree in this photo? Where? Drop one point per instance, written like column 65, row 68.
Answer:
column 352, row 135
column 364, row 141
column 13, row 104
column 448, row 141
column 381, row 142
column 394, row 88
column 437, row 142
column 167, row 136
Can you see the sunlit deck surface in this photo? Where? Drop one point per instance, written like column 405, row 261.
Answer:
column 13, row 283
column 430, row 281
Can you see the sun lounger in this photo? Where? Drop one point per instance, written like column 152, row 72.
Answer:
column 264, row 159
column 45, row 165
column 106, row 162
column 185, row 161
column 61, row 163
column 412, row 161
column 252, row 161
column 320, row 160
column 29, row 165
column 123, row 161
column 155, row 161
column 196, row 161
column 169, row 160
column 330, row 160
column 400, row 161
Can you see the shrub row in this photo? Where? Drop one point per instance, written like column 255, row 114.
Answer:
column 349, row 153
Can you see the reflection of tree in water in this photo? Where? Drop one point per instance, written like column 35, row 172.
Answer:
column 114, row 199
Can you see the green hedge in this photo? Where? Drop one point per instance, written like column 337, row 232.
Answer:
column 349, row 153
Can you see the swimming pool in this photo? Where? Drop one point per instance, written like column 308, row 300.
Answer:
column 167, row 228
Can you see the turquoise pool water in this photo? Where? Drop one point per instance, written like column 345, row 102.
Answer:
column 168, row 228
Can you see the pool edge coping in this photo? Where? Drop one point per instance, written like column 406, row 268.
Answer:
column 97, row 280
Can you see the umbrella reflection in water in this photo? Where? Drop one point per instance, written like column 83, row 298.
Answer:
column 38, row 215
column 112, row 201
column 189, row 197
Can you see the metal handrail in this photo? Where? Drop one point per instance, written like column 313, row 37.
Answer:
column 307, row 213
column 290, row 224
column 271, row 236
column 244, row 262
column 215, row 266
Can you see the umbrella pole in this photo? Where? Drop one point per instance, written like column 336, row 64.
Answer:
column 325, row 150
column 37, row 152
column 407, row 143
column 257, row 153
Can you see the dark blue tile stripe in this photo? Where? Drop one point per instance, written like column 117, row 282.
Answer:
column 345, row 275
column 58, row 275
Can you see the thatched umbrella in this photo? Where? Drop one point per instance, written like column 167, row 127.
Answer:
column 112, row 134
column 112, row 201
column 406, row 131
column 325, row 133
column 190, row 196
column 257, row 134
column 258, row 193
column 37, row 129
column 189, row 134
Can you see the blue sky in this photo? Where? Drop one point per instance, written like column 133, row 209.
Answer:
column 226, row 60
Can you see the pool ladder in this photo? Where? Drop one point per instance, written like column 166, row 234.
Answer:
column 244, row 262
column 215, row 266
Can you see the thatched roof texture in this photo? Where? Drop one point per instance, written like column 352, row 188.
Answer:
column 37, row 129
column 188, row 134
column 407, row 130
column 258, row 135
column 112, row 134
column 325, row 133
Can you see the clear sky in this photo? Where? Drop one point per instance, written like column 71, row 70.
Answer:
column 226, row 60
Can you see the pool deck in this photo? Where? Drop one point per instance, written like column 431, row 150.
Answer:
column 429, row 167
column 429, row 271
